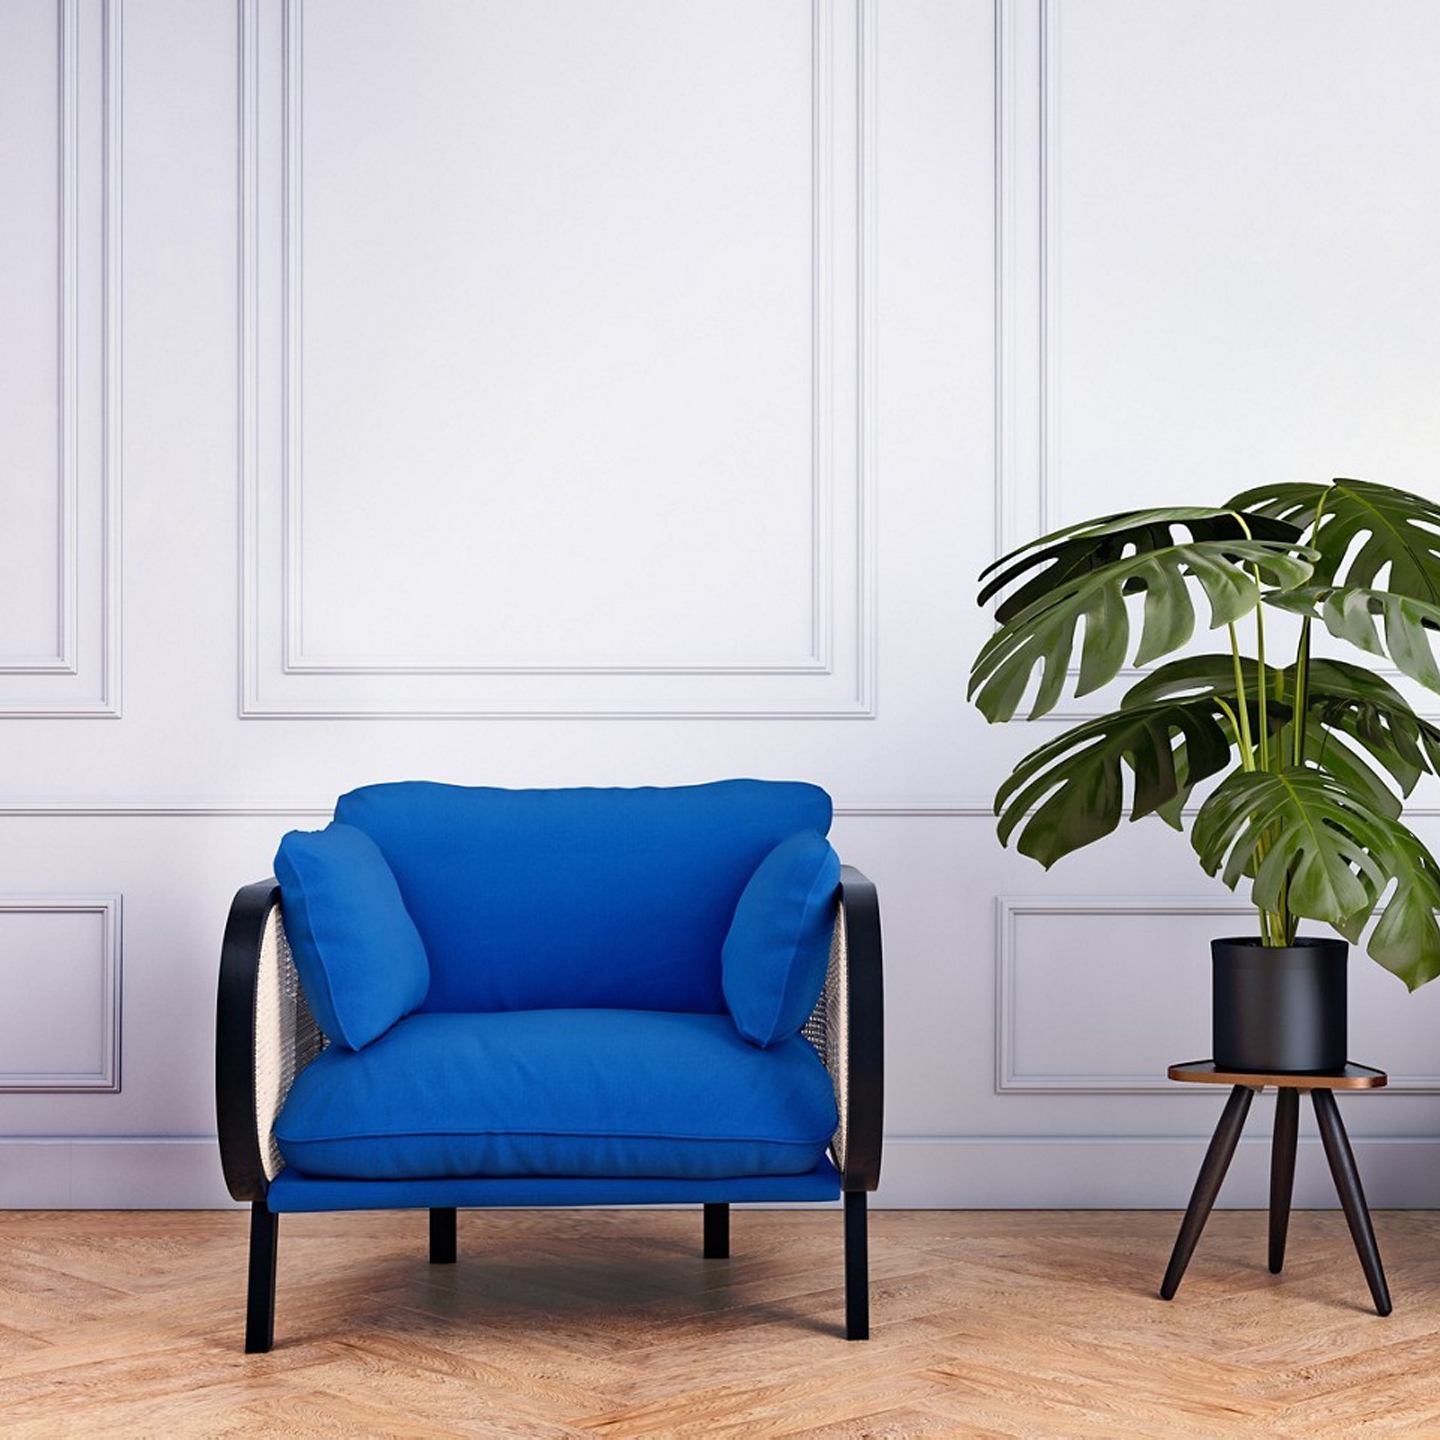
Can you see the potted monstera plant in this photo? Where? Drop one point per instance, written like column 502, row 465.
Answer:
column 1291, row 769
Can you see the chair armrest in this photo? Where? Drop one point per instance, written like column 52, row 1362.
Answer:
column 264, row 1036
column 847, row 1028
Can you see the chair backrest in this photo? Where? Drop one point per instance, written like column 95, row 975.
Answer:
column 583, row 898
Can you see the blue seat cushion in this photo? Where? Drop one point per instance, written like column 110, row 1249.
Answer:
column 360, row 959
column 778, row 947
column 583, row 898
column 605, row 1093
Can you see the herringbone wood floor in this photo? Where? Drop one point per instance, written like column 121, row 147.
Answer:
column 574, row 1323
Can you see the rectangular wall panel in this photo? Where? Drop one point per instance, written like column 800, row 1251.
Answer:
column 1202, row 289
column 539, row 466
column 59, row 389
column 59, row 993
column 1102, row 993
column 36, row 177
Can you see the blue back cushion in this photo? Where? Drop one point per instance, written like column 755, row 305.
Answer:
column 584, row 898
column 359, row 957
column 778, row 948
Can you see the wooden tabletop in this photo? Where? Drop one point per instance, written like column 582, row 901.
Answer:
column 1352, row 1077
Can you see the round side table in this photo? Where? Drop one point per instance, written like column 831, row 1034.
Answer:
column 1244, row 1087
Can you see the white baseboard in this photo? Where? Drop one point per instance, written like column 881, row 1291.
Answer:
column 1139, row 1173
column 108, row 1173
column 938, row 1173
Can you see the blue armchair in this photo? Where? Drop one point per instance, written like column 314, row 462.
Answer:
column 460, row 997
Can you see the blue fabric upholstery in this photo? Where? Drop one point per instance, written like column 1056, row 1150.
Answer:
column 357, row 952
column 572, row 1093
column 778, row 947
column 293, row 1192
column 584, row 898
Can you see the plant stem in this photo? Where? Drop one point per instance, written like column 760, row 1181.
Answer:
column 1247, row 748
column 1291, row 923
column 1302, row 652
column 1272, row 926
column 1234, row 725
column 1260, row 686
column 1247, row 761
column 1241, row 724
column 1302, row 689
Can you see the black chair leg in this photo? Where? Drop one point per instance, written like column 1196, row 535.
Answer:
column 443, row 1245
column 260, row 1298
column 1352, row 1196
column 717, row 1231
column 857, row 1267
column 1282, row 1171
column 1207, row 1186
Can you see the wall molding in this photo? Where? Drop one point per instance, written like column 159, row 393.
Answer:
column 67, row 165
column 81, row 677
column 107, row 809
column 107, row 806
column 105, row 1077
column 1010, row 1080
column 279, row 678
column 298, row 661
column 1009, row 910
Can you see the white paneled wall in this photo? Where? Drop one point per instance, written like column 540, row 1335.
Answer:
column 628, row 391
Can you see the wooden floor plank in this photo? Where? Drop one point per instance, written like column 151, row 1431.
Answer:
column 609, row 1323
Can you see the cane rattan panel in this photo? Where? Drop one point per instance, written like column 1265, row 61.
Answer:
column 827, row 1030
column 287, row 1038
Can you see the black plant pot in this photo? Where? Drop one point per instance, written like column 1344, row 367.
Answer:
column 1279, row 1008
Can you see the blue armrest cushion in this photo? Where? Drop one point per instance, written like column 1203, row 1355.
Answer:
column 358, row 954
column 778, row 947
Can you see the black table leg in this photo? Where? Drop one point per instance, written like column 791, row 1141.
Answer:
column 1352, row 1197
column 1282, row 1171
column 1207, row 1185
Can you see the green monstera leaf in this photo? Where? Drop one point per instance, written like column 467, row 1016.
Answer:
column 1056, row 560
column 1342, row 701
column 1371, row 712
column 1364, row 531
column 1043, row 635
column 1195, row 676
column 1317, row 851
column 1375, row 621
column 1072, row 791
column 1174, row 729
